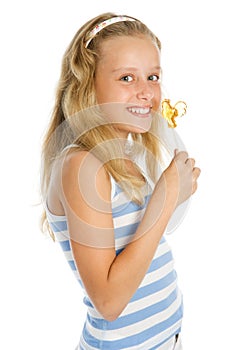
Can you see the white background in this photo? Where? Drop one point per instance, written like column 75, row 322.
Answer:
column 41, row 303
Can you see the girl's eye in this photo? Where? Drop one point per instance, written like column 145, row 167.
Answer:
column 127, row 78
column 154, row 77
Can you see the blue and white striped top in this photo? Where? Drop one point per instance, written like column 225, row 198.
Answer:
column 154, row 313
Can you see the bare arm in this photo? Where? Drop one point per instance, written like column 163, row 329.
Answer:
column 87, row 203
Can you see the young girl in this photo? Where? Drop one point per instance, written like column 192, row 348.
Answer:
column 106, row 201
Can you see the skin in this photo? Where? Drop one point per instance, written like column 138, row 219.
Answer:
column 130, row 69
column 87, row 204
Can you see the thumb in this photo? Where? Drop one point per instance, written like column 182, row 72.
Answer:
column 175, row 151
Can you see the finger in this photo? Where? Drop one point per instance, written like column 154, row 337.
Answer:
column 183, row 155
column 194, row 187
column 176, row 151
column 191, row 162
column 196, row 172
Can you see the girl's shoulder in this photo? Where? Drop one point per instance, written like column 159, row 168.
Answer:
column 83, row 169
column 81, row 161
column 77, row 177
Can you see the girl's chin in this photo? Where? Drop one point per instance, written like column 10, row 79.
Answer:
column 136, row 128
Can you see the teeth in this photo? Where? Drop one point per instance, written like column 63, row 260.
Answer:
column 139, row 110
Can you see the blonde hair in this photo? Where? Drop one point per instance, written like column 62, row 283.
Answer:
column 76, row 121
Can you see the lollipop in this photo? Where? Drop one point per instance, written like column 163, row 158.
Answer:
column 170, row 112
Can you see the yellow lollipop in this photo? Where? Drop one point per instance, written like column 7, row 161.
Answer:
column 170, row 112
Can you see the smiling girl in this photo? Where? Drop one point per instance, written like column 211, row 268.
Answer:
column 105, row 201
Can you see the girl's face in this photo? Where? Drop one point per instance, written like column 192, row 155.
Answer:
column 127, row 82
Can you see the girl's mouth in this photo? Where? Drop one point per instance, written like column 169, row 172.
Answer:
column 140, row 111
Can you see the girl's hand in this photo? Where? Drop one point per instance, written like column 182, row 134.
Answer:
column 181, row 177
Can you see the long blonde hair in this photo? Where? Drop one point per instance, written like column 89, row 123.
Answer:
column 75, row 119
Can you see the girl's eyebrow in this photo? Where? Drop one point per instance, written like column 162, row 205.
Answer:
column 133, row 69
column 124, row 68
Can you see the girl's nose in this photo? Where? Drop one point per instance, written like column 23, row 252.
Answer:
column 145, row 91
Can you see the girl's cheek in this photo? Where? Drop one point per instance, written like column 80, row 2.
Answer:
column 157, row 100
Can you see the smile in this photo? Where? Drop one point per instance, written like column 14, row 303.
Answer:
column 144, row 111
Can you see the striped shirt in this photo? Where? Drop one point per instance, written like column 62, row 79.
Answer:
column 154, row 313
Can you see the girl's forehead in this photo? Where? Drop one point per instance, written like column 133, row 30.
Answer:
column 131, row 48
column 119, row 40
column 122, row 44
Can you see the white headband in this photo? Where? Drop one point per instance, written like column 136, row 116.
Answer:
column 104, row 24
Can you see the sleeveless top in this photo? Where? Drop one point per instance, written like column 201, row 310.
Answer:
column 154, row 313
